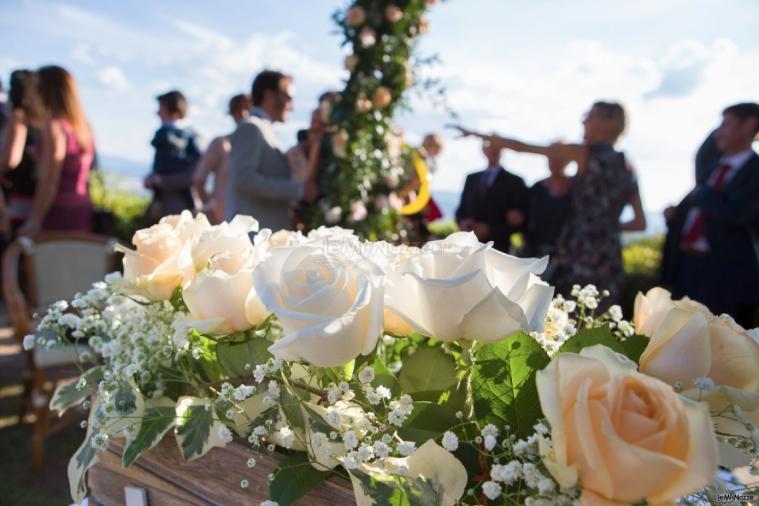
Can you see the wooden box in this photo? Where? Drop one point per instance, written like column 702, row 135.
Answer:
column 212, row 479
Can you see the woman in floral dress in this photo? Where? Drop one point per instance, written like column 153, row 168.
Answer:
column 590, row 250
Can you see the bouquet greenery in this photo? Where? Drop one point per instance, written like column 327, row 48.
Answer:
column 438, row 375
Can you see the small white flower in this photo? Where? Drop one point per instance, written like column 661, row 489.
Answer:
column 381, row 450
column 371, row 395
column 251, row 462
column 334, row 418
column 69, row 320
column 625, row 327
column 61, row 305
column 365, row 453
column 269, row 503
column 350, row 461
column 396, row 417
column 615, row 312
column 366, row 375
column 546, row 486
column 450, row 441
column 243, row 392
column 260, row 431
column 508, row 473
column 225, row 434
column 489, row 430
column 29, row 341
column 100, row 441
column 383, row 392
column 540, row 428
column 490, row 442
column 350, row 440
column 491, row 489
column 406, row 448
column 287, row 436
column 259, row 373
column 273, row 389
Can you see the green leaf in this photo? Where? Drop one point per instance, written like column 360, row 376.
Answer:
column 84, row 458
column 429, row 369
column 634, row 346
column 177, row 301
column 427, row 421
column 205, row 363
column 233, row 357
column 293, row 478
column 67, row 395
column 393, row 490
column 129, row 407
column 316, row 422
column 196, row 429
column 159, row 417
column 590, row 337
column 503, row 383
column 291, row 407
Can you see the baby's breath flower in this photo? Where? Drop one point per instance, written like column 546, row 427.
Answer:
column 491, row 489
column 366, row 375
column 450, row 441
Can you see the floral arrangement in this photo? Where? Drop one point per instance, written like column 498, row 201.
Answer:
column 448, row 374
column 363, row 162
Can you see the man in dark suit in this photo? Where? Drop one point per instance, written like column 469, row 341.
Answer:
column 709, row 253
column 494, row 202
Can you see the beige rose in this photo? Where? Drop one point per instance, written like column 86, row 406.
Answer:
column 381, row 97
column 162, row 258
column 221, row 303
column 363, row 105
column 625, row 436
column 393, row 13
column 356, row 16
column 227, row 245
column 688, row 342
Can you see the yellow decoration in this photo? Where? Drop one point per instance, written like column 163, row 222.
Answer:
column 423, row 197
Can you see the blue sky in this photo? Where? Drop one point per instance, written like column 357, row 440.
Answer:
column 527, row 69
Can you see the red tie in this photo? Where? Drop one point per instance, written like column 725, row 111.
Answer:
column 696, row 230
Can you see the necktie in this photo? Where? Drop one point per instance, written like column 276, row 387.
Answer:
column 696, row 230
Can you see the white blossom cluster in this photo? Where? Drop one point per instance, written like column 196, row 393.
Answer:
column 132, row 338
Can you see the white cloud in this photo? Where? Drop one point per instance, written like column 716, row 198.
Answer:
column 113, row 78
column 83, row 53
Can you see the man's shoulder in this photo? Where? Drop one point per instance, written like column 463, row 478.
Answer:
column 250, row 126
column 513, row 178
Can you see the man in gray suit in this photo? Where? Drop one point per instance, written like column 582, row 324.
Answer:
column 260, row 183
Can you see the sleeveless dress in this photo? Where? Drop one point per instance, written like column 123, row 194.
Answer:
column 72, row 207
column 590, row 250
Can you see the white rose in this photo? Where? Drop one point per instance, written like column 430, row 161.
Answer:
column 461, row 288
column 228, row 245
column 328, row 298
column 222, row 303
column 367, row 37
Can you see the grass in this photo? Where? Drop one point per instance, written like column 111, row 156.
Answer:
column 19, row 485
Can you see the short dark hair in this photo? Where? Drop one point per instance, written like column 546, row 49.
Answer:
column 744, row 111
column 613, row 111
column 22, row 93
column 302, row 135
column 174, row 102
column 265, row 80
column 239, row 102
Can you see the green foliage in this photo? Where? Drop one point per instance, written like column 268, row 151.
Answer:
column 293, row 478
column 428, row 420
column 67, row 394
column 643, row 256
column 590, row 337
column 428, row 369
column 399, row 490
column 503, row 383
column 234, row 357
column 126, row 208
column 156, row 422
column 194, row 425
column 368, row 168
column 633, row 347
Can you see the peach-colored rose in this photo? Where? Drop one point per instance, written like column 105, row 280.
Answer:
column 625, row 436
column 363, row 105
column 393, row 13
column 356, row 16
column 381, row 97
column 689, row 342
column 162, row 260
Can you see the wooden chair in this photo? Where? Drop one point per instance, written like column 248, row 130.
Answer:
column 38, row 271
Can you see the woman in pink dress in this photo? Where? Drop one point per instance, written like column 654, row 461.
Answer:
column 62, row 199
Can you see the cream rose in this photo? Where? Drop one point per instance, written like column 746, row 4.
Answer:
column 429, row 461
column 162, row 259
column 461, row 288
column 228, row 245
column 688, row 342
column 625, row 436
column 328, row 298
column 222, row 303
column 381, row 97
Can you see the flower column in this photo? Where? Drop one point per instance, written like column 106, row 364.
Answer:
column 362, row 162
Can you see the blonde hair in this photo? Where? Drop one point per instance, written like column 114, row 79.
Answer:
column 612, row 111
column 60, row 96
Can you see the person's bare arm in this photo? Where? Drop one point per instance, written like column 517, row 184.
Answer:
column 53, row 154
column 13, row 142
column 571, row 152
column 638, row 223
column 210, row 162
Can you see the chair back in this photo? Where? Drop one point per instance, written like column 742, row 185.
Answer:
column 52, row 266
